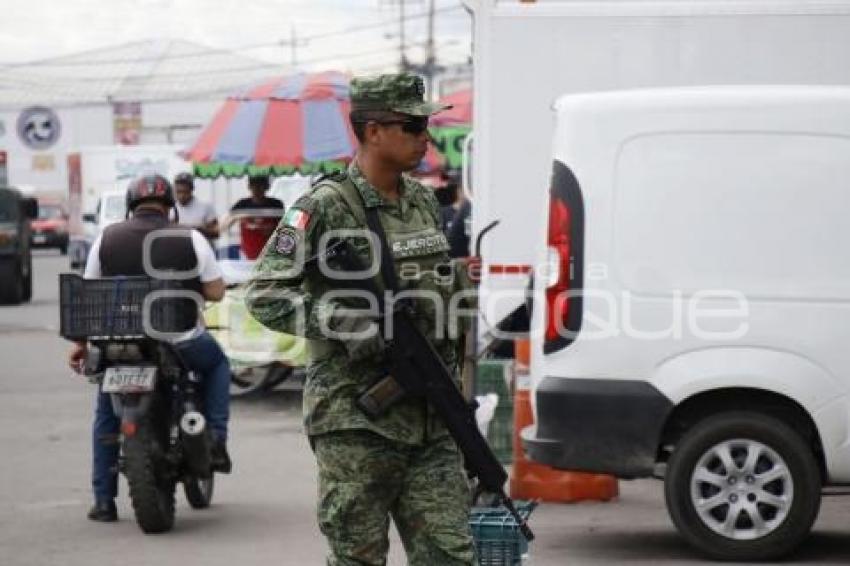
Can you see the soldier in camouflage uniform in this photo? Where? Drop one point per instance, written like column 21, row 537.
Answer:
column 402, row 464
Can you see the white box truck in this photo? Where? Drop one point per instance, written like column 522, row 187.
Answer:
column 112, row 167
column 107, row 170
column 527, row 54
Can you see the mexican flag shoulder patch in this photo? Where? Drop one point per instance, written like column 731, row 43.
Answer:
column 297, row 218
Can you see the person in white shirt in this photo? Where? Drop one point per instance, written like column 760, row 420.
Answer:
column 192, row 211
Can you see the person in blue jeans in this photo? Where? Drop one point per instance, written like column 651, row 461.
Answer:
column 119, row 251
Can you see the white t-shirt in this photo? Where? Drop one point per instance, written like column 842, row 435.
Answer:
column 196, row 213
column 208, row 269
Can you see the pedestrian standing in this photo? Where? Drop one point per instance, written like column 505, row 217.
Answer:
column 258, row 215
column 192, row 211
column 455, row 216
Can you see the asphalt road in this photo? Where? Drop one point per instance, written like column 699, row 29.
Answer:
column 264, row 513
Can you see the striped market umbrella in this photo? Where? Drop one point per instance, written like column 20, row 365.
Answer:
column 291, row 124
column 448, row 129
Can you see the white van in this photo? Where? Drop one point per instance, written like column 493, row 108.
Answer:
column 697, row 320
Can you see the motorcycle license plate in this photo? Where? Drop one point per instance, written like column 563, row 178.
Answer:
column 129, row 379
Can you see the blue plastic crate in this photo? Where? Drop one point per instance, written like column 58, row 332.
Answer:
column 498, row 540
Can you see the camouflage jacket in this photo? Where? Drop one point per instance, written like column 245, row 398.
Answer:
column 286, row 296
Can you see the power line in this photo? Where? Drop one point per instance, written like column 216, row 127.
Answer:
column 382, row 24
column 58, row 101
column 45, row 80
column 216, row 51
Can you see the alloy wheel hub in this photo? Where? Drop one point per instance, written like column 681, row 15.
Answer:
column 742, row 489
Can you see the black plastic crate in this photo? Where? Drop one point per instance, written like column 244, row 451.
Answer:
column 113, row 307
column 498, row 540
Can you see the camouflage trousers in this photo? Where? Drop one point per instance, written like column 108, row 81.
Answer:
column 365, row 478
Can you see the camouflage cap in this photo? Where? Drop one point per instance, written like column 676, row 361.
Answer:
column 403, row 93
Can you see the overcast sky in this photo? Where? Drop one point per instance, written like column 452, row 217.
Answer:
column 38, row 29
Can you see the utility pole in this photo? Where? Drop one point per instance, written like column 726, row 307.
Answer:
column 403, row 64
column 430, row 56
column 429, row 68
column 293, row 44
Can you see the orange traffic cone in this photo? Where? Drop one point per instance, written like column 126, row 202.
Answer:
column 530, row 480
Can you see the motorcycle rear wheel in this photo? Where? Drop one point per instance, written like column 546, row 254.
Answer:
column 151, row 492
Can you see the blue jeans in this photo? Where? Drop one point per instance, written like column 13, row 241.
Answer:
column 203, row 355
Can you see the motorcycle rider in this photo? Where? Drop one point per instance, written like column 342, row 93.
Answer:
column 119, row 251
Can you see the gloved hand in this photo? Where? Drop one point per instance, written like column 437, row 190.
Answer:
column 360, row 334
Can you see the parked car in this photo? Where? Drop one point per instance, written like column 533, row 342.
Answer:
column 111, row 208
column 50, row 229
column 15, row 255
column 692, row 323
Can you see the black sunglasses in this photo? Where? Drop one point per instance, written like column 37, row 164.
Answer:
column 414, row 126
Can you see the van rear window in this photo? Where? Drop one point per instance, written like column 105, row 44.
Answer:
column 760, row 213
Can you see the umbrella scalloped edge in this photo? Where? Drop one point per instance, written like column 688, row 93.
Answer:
column 235, row 170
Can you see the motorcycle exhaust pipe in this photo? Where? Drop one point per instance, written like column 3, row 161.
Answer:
column 196, row 443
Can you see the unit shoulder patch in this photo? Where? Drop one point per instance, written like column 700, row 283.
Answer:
column 287, row 241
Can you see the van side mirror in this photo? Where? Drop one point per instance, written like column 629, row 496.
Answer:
column 90, row 217
column 30, row 206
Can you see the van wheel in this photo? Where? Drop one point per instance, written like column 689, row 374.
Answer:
column 743, row 486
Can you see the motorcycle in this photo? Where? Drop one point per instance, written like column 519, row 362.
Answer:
column 163, row 438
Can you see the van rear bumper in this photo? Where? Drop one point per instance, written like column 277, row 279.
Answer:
column 597, row 425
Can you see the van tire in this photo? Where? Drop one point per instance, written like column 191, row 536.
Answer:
column 783, row 453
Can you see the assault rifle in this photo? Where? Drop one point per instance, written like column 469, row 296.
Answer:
column 416, row 369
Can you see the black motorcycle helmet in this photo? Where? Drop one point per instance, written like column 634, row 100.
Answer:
column 151, row 187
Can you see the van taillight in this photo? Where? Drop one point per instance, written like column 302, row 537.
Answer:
column 557, row 303
column 565, row 284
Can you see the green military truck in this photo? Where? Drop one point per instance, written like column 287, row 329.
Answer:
column 16, row 211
